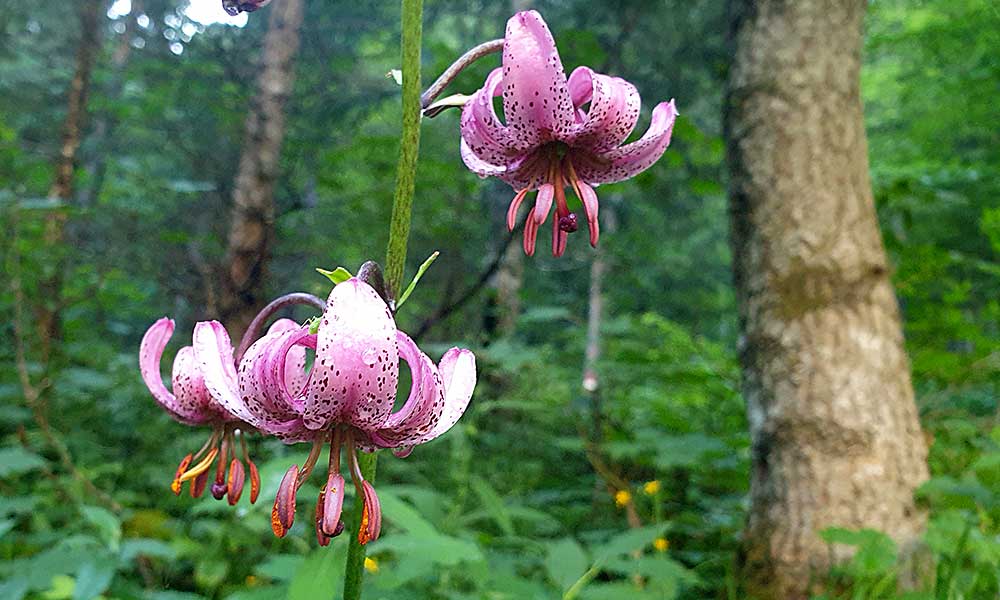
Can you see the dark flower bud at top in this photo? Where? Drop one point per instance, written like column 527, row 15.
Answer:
column 235, row 7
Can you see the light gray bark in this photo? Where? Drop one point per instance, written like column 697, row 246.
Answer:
column 836, row 439
column 251, row 233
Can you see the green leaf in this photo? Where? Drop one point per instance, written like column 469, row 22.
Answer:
column 416, row 278
column 131, row 548
column 629, row 541
column 566, row 562
column 493, row 504
column 264, row 592
column 105, row 522
column 14, row 461
column 987, row 470
column 210, row 572
column 14, row 588
column 6, row 525
column 319, row 574
column 280, row 567
column 337, row 276
column 92, row 579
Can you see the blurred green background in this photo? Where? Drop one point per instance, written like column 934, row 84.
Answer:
column 519, row 499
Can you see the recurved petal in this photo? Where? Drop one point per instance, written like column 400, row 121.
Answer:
column 295, row 360
column 214, row 353
column 356, row 369
column 536, row 100
column 483, row 135
column 424, row 405
column 455, row 379
column 150, row 352
column 613, row 112
column 631, row 159
column 189, row 388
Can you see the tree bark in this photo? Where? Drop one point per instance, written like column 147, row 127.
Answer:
column 835, row 434
column 50, row 282
column 251, row 233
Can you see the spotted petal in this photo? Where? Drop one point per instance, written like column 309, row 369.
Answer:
column 487, row 144
column 613, row 112
column 631, row 159
column 536, row 100
column 356, row 369
column 214, row 352
column 455, row 376
column 192, row 404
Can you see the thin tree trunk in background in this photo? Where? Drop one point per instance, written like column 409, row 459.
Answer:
column 509, row 278
column 251, row 233
column 835, row 434
column 50, row 284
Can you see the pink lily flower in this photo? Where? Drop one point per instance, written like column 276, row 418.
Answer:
column 346, row 399
column 549, row 140
column 191, row 403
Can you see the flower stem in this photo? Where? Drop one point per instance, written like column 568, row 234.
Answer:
column 449, row 75
column 402, row 200
column 255, row 327
column 399, row 233
column 355, row 569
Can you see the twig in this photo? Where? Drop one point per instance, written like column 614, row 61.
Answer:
column 468, row 294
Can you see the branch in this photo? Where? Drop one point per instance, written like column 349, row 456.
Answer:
column 468, row 294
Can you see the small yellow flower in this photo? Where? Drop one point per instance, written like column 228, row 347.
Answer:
column 651, row 487
column 622, row 497
column 251, row 581
column 661, row 544
column 371, row 565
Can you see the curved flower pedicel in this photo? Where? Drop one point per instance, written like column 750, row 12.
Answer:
column 346, row 399
column 191, row 403
column 550, row 140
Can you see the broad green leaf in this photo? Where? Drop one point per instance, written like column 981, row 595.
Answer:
column 987, row 470
column 105, row 522
column 133, row 547
column 6, row 525
column 280, row 567
column 14, row 588
column 264, row 592
column 210, row 572
column 320, row 575
column 402, row 515
column 629, row 541
column 566, row 562
column 60, row 588
column 493, row 504
column 14, row 461
column 92, row 579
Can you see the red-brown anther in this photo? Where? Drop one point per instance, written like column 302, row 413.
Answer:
column 333, row 503
column 198, row 485
column 254, row 481
column 371, row 515
column 234, row 482
column 175, row 485
column 219, row 487
column 321, row 537
column 283, row 513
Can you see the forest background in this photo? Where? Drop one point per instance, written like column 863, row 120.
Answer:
column 633, row 486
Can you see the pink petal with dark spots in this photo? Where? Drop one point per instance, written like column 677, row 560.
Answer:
column 536, row 100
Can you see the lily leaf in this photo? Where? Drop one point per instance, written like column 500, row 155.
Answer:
column 420, row 273
column 337, row 276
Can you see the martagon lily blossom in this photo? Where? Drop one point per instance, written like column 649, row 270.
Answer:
column 345, row 400
column 551, row 138
column 191, row 403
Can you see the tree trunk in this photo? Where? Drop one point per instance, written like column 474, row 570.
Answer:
column 835, row 434
column 251, row 232
column 50, row 282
